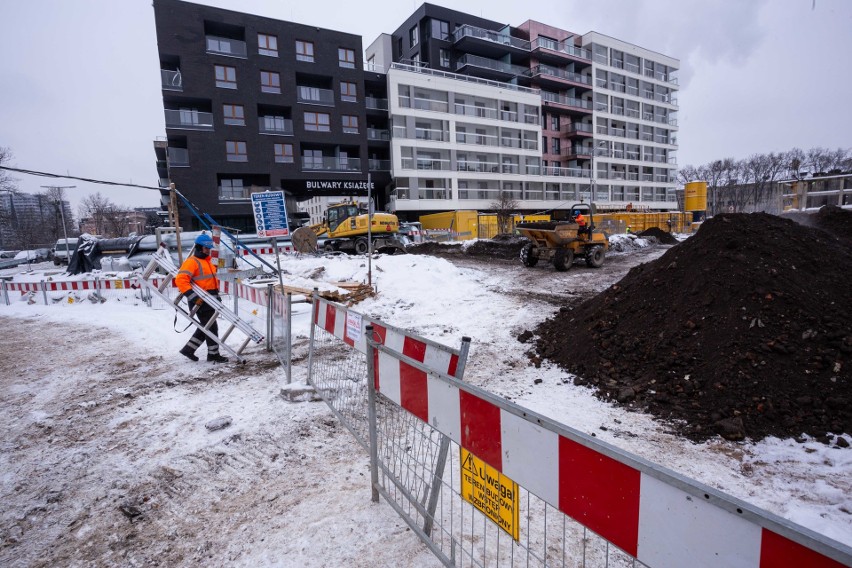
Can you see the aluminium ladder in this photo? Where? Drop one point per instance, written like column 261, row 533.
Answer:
column 163, row 260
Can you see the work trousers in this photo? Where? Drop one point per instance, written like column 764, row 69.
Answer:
column 204, row 313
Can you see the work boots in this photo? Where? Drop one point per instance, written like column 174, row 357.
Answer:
column 216, row 358
column 188, row 352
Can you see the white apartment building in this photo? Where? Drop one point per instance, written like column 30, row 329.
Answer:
column 458, row 141
column 635, row 137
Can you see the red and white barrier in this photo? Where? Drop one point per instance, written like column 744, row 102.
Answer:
column 639, row 507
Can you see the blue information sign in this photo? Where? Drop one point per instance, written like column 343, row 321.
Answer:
column 270, row 214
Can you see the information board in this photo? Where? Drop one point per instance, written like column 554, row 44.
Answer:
column 270, row 214
column 491, row 492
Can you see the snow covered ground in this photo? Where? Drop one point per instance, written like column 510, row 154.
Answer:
column 106, row 459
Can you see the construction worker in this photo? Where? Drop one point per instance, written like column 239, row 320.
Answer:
column 580, row 219
column 199, row 270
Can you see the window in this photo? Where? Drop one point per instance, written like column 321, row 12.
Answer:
column 267, row 45
column 235, row 151
column 270, row 82
column 231, row 189
column 275, row 124
column 444, row 56
column 350, row 124
column 317, row 122
column 312, row 159
column 440, row 29
column 304, row 51
column 554, row 122
column 413, row 37
column 234, row 115
column 283, row 153
column 555, row 145
column 226, row 77
column 346, row 57
column 348, row 92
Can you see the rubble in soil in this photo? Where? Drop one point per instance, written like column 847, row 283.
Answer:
column 660, row 235
column 743, row 330
column 502, row 247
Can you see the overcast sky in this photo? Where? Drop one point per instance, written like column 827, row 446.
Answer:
column 81, row 86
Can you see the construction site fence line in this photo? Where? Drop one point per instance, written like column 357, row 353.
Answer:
column 485, row 482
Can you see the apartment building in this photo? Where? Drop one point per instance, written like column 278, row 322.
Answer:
column 450, row 111
column 255, row 103
column 607, row 110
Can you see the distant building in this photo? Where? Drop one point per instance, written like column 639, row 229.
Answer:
column 815, row 191
column 27, row 219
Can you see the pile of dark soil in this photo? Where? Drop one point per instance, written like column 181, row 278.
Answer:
column 745, row 329
column 660, row 235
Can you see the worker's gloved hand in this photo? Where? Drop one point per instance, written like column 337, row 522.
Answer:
column 193, row 299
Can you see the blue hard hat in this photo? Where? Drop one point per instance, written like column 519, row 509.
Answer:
column 205, row 241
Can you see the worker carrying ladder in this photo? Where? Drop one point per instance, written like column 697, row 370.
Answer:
column 163, row 260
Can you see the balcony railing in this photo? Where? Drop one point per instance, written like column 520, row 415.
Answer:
column 431, row 134
column 226, row 46
column 490, row 36
column 477, row 139
column 189, row 119
column 331, row 164
column 376, row 103
column 378, row 134
column 566, row 101
column 459, row 77
column 422, row 103
column 481, row 167
column 579, row 128
column 171, row 80
column 493, row 64
column 315, row 96
column 178, row 157
column 559, row 73
column 240, row 193
column 379, row 165
column 425, row 164
column 556, row 171
column 276, row 125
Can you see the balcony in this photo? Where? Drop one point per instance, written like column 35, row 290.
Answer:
column 480, row 167
column 572, row 103
column 374, row 103
column 491, row 43
column 226, row 46
column 476, row 110
column 315, row 96
column 548, row 48
column 189, row 119
column 378, row 134
column 379, row 165
column 477, row 139
column 240, row 192
column 425, row 164
column 560, row 77
column 556, row 171
column 577, row 153
column 578, row 129
column 489, row 68
column 331, row 164
column 171, row 80
column 178, row 157
column 276, row 125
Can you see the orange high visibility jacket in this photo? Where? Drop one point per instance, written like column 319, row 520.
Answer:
column 580, row 220
column 198, row 270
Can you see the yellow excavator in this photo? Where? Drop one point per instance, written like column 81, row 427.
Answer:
column 345, row 226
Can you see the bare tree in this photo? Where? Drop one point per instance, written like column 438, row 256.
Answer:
column 504, row 208
column 7, row 182
column 95, row 209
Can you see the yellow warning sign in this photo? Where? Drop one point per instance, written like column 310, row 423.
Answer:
column 490, row 491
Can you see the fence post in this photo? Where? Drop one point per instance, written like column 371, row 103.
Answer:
column 371, row 416
column 5, row 291
column 288, row 337
column 270, row 316
column 44, row 291
column 314, row 306
column 236, row 298
column 98, row 289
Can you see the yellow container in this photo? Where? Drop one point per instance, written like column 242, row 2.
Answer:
column 695, row 194
column 454, row 225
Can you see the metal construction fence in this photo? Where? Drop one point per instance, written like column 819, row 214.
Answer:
column 485, row 482
column 250, row 303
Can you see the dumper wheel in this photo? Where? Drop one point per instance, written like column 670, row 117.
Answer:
column 562, row 259
column 595, row 257
column 529, row 255
column 362, row 246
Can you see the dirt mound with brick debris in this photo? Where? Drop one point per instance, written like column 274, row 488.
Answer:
column 660, row 235
column 501, row 247
column 743, row 330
